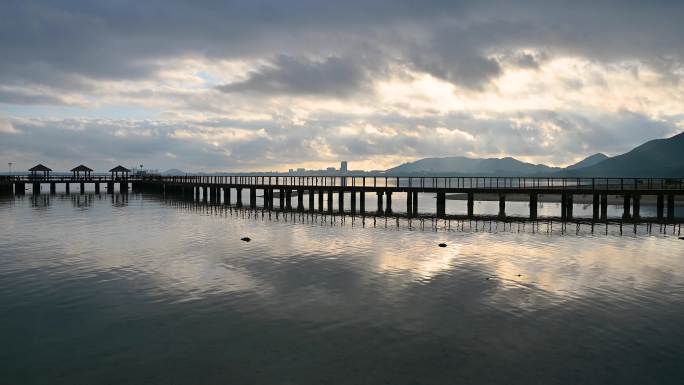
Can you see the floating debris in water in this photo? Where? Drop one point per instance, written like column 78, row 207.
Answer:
column 442, row 245
column 246, row 239
column 682, row 238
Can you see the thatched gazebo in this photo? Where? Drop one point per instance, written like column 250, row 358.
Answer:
column 120, row 169
column 36, row 170
column 81, row 169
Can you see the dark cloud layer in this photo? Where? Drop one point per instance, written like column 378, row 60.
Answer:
column 289, row 75
column 452, row 40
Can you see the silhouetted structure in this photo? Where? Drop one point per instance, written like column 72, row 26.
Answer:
column 120, row 169
column 35, row 171
column 76, row 171
column 283, row 188
column 209, row 188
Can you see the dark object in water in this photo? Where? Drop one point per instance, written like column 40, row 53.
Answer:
column 682, row 238
column 442, row 245
column 246, row 239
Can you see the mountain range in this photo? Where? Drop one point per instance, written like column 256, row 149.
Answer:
column 655, row 158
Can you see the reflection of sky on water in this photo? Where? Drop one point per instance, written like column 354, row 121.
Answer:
column 337, row 296
column 203, row 253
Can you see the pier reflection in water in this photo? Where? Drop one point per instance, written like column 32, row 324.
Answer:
column 162, row 291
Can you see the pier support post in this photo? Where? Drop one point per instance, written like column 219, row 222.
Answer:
column 340, row 201
column 533, row 206
column 252, row 198
column 604, row 207
column 300, row 200
column 380, row 210
column 564, row 206
column 320, row 200
column 670, row 207
column 362, row 202
column 471, row 204
column 288, row 199
column 388, row 203
column 596, row 207
column 502, row 206
column 82, row 188
column 352, row 201
column 123, row 187
column 625, row 206
column 415, row 204
column 238, row 194
column 53, row 188
column 636, row 203
column 68, row 185
column 311, row 200
column 36, row 188
column 660, row 205
column 97, row 187
column 20, row 188
column 441, row 204
column 409, row 204
column 568, row 206
column 226, row 195
column 330, row 201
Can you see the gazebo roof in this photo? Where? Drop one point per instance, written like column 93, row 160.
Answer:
column 39, row 167
column 82, row 168
column 119, row 168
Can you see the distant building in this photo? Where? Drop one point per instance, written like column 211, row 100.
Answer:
column 330, row 169
column 343, row 166
column 301, row 169
column 290, row 171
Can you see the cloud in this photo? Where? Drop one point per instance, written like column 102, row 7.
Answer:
column 373, row 141
column 7, row 127
column 215, row 83
column 287, row 75
column 130, row 40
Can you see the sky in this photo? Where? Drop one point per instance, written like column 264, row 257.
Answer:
column 268, row 85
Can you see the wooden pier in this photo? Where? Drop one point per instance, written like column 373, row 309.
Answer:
column 351, row 192
column 323, row 188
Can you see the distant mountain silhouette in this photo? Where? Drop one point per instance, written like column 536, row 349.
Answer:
column 655, row 158
column 588, row 161
column 173, row 172
column 460, row 165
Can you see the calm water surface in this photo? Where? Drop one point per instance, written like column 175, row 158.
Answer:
column 115, row 290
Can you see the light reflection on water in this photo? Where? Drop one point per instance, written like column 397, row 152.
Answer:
column 115, row 289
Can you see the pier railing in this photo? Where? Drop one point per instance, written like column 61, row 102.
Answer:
column 68, row 178
column 426, row 182
column 381, row 182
